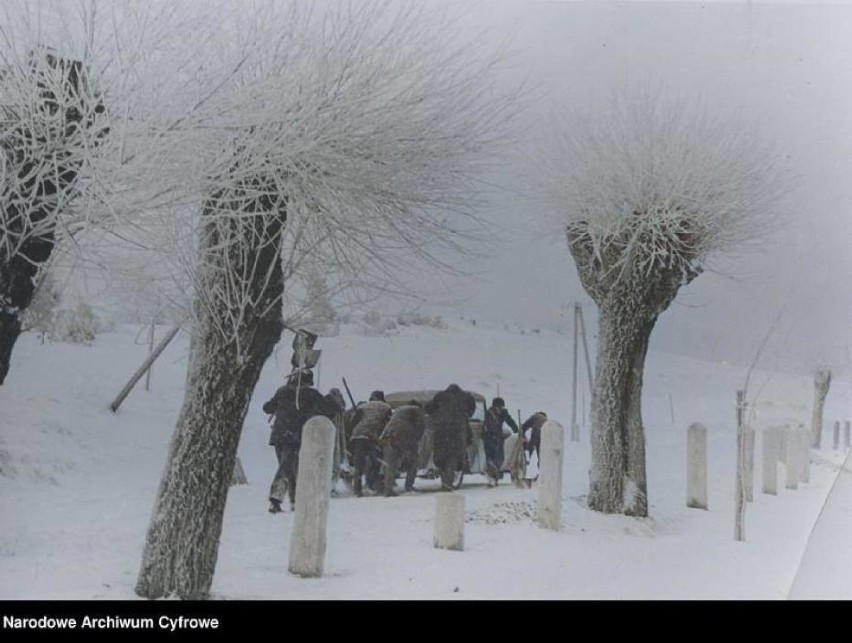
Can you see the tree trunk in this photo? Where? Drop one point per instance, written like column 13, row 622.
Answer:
column 618, row 478
column 183, row 536
column 631, row 290
column 18, row 283
column 822, row 382
column 10, row 329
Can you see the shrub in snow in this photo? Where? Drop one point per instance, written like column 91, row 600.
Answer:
column 79, row 326
column 374, row 323
column 40, row 315
column 6, row 468
column 419, row 319
column 319, row 310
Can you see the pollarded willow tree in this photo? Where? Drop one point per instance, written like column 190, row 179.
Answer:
column 344, row 133
column 51, row 121
column 647, row 190
column 64, row 66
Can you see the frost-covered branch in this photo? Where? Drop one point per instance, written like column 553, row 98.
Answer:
column 369, row 122
column 654, row 181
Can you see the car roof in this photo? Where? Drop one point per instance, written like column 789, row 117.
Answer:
column 401, row 398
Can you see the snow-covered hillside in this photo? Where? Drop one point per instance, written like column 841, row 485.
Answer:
column 77, row 482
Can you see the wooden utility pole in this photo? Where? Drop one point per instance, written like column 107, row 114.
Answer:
column 579, row 334
column 739, row 492
column 575, row 430
column 589, row 377
column 150, row 350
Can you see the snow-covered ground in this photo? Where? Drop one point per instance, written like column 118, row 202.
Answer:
column 78, row 481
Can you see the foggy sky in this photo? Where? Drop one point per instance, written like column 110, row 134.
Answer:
column 788, row 66
column 785, row 65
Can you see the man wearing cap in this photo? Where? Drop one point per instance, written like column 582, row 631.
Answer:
column 368, row 422
column 293, row 404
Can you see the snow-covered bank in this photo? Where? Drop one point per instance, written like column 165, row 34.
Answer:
column 78, row 482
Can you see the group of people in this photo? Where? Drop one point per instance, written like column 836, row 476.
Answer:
column 380, row 441
column 494, row 435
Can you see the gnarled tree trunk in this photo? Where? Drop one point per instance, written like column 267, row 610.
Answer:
column 183, row 536
column 618, row 480
column 629, row 302
column 18, row 282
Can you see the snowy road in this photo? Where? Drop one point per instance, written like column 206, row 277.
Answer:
column 824, row 572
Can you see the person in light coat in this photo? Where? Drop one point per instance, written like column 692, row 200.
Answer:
column 367, row 425
column 400, row 442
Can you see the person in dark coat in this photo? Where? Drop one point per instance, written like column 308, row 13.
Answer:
column 334, row 395
column 449, row 411
column 493, row 438
column 293, row 404
column 367, row 425
column 532, row 432
column 400, row 442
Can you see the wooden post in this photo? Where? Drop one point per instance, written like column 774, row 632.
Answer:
column 749, row 464
column 313, row 491
column 449, row 521
column 805, row 441
column 550, row 475
column 150, row 350
column 791, row 461
column 836, row 442
column 696, row 466
column 771, row 448
column 575, row 430
column 846, row 434
column 142, row 369
column 739, row 489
